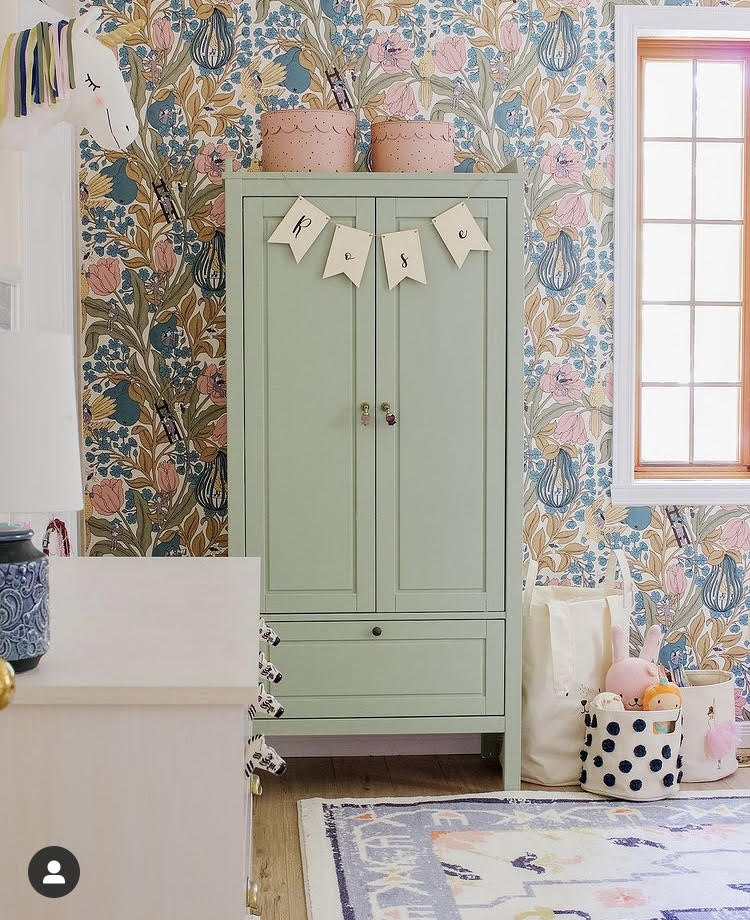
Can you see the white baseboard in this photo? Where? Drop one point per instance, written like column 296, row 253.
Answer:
column 374, row 745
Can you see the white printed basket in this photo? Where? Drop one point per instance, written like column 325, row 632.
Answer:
column 632, row 755
column 710, row 745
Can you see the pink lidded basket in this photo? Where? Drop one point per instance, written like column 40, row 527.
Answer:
column 412, row 146
column 308, row 140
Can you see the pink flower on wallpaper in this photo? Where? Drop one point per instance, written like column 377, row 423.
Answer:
column 162, row 36
column 622, row 897
column 218, row 214
column 391, row 50
column 570, row 429
column 570, row 211
column 167, row 477
column 735, row 535
column 104, row 277
column 609, row 168
column 609, row 385
column 165, row 259
column 219, row 433
column 450, row 54
column 739, row 705
column 108, row 496
column 213, row 383
column 400, row 100
column 510, row 36
column 674, row 579
column 563, row 382
column 212, row 161
column 564, row 164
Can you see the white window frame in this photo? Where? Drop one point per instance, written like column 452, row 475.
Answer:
column 632, row 23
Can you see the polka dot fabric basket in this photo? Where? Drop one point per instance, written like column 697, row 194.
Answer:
column 632, row 755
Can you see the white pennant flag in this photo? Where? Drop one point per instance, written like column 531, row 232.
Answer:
column 348, row 253
column 301, row 226
column 460, row 232
column 402, row 251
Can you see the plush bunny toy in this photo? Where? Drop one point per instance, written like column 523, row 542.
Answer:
column 629, row 677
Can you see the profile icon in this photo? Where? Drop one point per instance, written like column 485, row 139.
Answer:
column 54, row 872
column 53, row 876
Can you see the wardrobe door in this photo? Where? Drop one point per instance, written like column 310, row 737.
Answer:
column 309, row 365
column 441, row 466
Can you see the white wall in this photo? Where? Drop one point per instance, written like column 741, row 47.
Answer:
column 39, row 232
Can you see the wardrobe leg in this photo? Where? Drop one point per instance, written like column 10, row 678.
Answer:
column 511, row 760
column 491, row 747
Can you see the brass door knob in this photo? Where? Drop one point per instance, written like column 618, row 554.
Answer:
column 253, row 898
column 7, row 683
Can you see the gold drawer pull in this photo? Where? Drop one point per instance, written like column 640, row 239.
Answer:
column 7, row 683
column 253, row 898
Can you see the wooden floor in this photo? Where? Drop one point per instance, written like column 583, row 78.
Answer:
column 278, row 865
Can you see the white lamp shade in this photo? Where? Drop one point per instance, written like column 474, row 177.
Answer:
column 40, row 456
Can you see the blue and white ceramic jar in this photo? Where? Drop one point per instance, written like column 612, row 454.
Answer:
column 24, row 600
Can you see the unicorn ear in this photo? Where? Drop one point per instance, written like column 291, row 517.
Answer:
column 86, row 21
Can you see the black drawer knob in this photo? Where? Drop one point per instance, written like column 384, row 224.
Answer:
column 377, row 631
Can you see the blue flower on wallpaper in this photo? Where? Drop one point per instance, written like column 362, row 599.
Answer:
column 509, row 115
column 297, row 78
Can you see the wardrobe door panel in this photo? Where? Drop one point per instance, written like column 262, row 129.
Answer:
column 441, row 467
column 309, row 364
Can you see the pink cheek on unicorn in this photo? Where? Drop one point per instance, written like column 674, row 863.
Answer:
column 98, row 99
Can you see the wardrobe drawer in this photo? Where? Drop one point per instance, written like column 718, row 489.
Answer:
column 378, row 668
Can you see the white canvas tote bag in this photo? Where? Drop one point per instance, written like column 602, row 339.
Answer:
column 710, row 745
column 567, row 650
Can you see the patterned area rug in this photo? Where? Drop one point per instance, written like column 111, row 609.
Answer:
column 527, row 856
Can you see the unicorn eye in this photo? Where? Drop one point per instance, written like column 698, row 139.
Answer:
column 94, row 86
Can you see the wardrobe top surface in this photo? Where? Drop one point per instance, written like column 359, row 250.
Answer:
column 460, row 185
column 149, row 632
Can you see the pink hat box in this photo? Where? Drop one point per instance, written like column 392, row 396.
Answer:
column 308, row 140
column 412, row 146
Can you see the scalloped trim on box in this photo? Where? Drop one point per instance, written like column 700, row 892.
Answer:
column 395, row 131
column 279, row 129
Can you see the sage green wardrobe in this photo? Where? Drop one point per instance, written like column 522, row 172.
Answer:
column 391, row 553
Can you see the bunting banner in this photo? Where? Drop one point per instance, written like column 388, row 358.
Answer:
column 301, row 226
column 402, row 251
column 348, row 254
column 460, row 232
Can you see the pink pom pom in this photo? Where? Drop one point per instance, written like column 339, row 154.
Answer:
column 721, row 739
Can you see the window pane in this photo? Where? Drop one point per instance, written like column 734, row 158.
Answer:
column 716, row 424
column 665, row 426
column 718, row 181
column 719, row 98
column 717, row 344
column 666, row 262
column 667, row 99
column 667, row 179
column 665, row 344
column 717, row 262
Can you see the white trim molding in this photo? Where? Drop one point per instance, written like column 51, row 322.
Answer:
column 632, row 23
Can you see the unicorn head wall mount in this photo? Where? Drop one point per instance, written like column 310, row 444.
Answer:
column 62, row 71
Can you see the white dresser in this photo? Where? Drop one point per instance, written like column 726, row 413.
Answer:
column 127, row 745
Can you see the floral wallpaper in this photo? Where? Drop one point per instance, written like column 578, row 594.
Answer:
column 530, row 80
